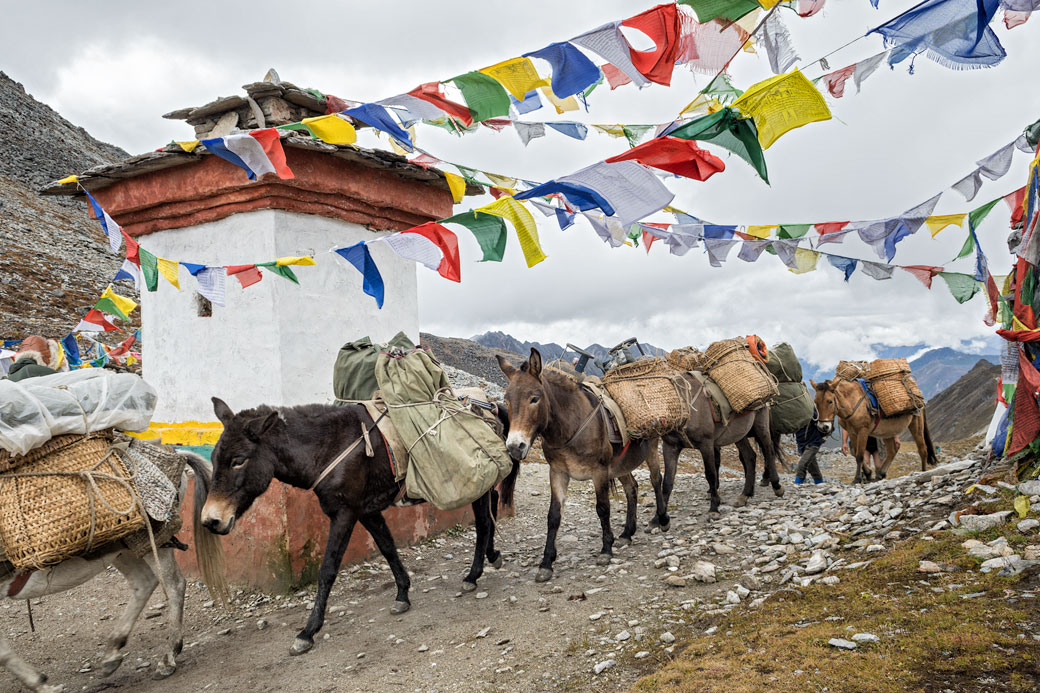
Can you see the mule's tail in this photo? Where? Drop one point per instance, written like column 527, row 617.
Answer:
column 932, row 459
column 209, row 552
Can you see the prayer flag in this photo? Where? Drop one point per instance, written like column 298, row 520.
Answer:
column 997, row 164
column 68, row 179
column 609, row 43
column 830, row 227
column 781, row 104
column 303, row 261
column 846, row 264
column 804, row 261
column 751, row 250
column 447, row 242
column 969, row 185
column 113, row 230
column 632, row 190
column 484, row 96
column 124, row 304
column 128, row 270
column 923, row 273
column 281, row 270
column 877, row 270
column 865, row 68
column 332, row 128
column 529, row 103
column 579, row 196
column 149, row 268
column 524, row 224
column 561, row 105
column 962, row 286
column 976, row 215
column 661, row 24
column 71, row 347
column 675, row 155
column 457, row 185
column 615, row 77
column 578, row 131
column 374, row 115
column 431, row 93
column 835, row 81
column 360, row 257
column 793, row 230
column 258, row 152
column 953, row 33
column 777, row 41
column 517, row 75
column 188, row 147
column 488, row 229
column 106, row 305
column 572, row 71
column 94, row 321
column 726, row 129
column 729, row 10
column 417, row 107
column 168, row 269
column 528, row 132
column 938, row 223
column 212, row 283
column 247, row 275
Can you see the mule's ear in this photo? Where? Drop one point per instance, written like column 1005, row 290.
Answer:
column 222, row 410
column 814, row 385
column 535, row 363
column 507, row 368
column 257, row 427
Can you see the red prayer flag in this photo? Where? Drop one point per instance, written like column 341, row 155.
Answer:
column 424, row 160
column 497, row 124
column 431, row 91
column 445, row 239
column 648, row 239
column 1027, row 415
column 830, row 227
column 678, row 156
column 661, row 24
column 1015, row 201
column 1023, row 311
column 124, row 347
column 247, row 275
column 924, row 273
column 835, row 81
column 498, row 193
column 807, row 8
column 96, row 317
column 133, row 249
column 271, row 142
column 615, row 77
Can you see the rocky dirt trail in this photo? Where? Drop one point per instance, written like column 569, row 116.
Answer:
column 590, row 625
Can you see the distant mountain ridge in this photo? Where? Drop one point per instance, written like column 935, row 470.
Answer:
column 551, row 351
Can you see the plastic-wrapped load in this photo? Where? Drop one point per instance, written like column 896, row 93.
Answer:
column 34, row 410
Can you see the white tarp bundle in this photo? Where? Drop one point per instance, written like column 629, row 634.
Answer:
column 34, row 410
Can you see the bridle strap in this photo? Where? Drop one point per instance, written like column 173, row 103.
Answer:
column 363, row 438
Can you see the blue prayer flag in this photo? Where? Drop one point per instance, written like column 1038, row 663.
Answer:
column 359, row 256
column 378, row 117
column 572, row 71
column 576, row 130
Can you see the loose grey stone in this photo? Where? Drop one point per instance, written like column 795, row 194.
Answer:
column 667, row 638
column 603, row 666
column 842, row 644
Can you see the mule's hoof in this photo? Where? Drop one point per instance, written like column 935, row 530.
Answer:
column 300, row 646
column 623, row 541
column 163, row 671
column 110, row 664
column 764, row 482
column 714, row 515
column 467, row 586
column 741, row 501
column 543, row 575
column 497, row 563
column 779, row 491
column 603, row 559
column 400, row 607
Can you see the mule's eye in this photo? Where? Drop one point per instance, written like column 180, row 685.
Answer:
column 239, row 463
column 535, row 399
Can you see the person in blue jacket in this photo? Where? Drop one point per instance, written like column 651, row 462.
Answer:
column 810, row 440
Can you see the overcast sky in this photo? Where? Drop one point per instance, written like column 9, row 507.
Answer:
column 115, row 68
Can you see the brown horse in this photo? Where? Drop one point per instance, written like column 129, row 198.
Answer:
column 709, row 436
column 848, row 401
column 550, row 404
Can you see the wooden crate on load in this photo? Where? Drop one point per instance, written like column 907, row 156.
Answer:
column 654, row 397
column 744, row 380
column 75, row 497
column 896, row 390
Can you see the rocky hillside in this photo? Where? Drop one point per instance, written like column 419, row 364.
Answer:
column 965, row 408
column 54, row 259
column 466, row 355
column 503, row 342
column 938, row 369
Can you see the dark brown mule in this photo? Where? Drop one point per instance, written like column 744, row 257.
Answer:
column 295, row 445
column 709, row 436
column 848, row 402
column 550, row 404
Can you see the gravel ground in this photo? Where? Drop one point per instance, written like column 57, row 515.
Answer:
column 512, row 634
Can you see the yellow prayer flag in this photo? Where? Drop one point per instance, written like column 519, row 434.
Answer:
column 457, row 185
column 526, row 230
column 168, row 269
column 283, row 261
column 804, row 260
column 517, row 75
column 561, row 105
column 938, row 223
column 507, row 191
column 124, row 304
column 68, row 179
column 500, row 181
column 612, row 130
column 1017, row 324
column 673, row 210
column 760, row 231
column 130, row 360
column 702, row 105
column 332, row 129
column 749, row 21
column 781, row 104
column 188, row 147
column 768, row 4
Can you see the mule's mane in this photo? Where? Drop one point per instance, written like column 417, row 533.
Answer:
column 559, row 379
column 299, row 410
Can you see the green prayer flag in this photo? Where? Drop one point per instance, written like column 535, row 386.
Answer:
column 149, row 269
column 976, row 215
column 485, row 96
column 635, row 133
column 283, row 270
column 592, row 87
column 470, row 174
column 726, row 129
column 488, row 229
column 722, row 89
column 967, row 248
column 793, row 230
column 107, row 305
column 962, row 286
column 731, row 10
column 1032, row 134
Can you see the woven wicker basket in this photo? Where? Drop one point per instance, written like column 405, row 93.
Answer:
column 851, row 370
column 685, row 359
column 9, row 461
column 654, row 397
column 48, row 507
column 745, row 381
column 896, row 390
